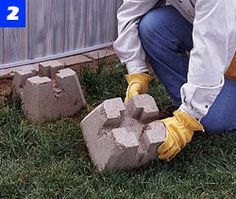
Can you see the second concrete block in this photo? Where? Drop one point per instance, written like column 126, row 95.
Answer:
column 119, row 136
column 50, row 94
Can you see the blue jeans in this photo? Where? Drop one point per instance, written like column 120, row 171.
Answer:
column 166, row 36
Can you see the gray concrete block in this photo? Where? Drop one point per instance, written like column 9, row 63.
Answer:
column 118, row 135
column 37, row 94
column 141, row 110
column 53, row 94
column 151, row 137
column 20, row 79
column 50, row 68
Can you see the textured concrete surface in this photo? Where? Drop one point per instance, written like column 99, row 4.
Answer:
column 101, row 53
column 20, row 79
column 49, row 94
column 50, row 68
column 119, row 136
column 75, row 60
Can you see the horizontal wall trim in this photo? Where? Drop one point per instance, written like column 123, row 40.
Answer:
column 57, row 56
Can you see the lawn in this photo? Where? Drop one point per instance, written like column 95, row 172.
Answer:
column 51, row 160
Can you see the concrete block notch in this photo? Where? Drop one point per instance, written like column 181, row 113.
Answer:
column 49, row 94
column 120, row 136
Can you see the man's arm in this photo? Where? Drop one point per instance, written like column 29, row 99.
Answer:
column 128, row 45
column 214, row 38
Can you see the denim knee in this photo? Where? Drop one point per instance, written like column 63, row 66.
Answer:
column 217, row 125
column 148, row 25
column 212, row 127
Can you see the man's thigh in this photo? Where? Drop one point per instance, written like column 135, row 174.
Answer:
column 169, row 24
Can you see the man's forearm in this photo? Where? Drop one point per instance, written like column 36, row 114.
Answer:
column 214, row 37
column 128, row 45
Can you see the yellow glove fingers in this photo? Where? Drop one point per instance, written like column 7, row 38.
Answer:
column 181, row 138
column 170, row 154
column 165, row 147
column 131, row 95
column 180, row 129
column 169, row 142
column 185, row 139
column 138, row 84
column 133, row 90
column 170, row 123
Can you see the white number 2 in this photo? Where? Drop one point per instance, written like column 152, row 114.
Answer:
column 13, row 15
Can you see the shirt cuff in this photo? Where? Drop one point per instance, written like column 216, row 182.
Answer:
column 136, row 67
column 197, row 100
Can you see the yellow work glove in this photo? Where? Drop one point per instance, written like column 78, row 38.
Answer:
column 180, row 129
column 138, row 84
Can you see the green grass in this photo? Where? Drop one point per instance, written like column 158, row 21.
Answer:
column 51, row 161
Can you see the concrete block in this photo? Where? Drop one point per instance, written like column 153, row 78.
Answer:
column 50, row 68
column 139, row 111
column 119, row 136
column 75, row 60
column 51, row 94
column 36, row 99
column 151, row 137
column 100, row 54
column 20, row 79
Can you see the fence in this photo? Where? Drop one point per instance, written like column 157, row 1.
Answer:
column 57, row 28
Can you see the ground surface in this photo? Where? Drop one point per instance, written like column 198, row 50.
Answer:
column 51, row 161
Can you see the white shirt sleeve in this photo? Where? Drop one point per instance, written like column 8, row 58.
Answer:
column 214, row 38
column 128, row 45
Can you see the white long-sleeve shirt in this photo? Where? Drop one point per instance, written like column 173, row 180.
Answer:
column 214, row 44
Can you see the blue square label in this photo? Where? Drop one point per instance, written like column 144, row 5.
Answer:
column 12, row 13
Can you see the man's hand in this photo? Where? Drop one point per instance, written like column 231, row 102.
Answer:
column 180, row 129
column 138, row 84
